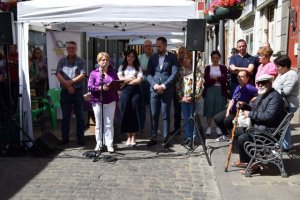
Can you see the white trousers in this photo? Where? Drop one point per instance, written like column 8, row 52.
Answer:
column 108, row 122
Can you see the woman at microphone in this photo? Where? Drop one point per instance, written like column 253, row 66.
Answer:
column 110, row 97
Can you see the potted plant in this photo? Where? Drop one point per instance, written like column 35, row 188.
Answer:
column 224, row 9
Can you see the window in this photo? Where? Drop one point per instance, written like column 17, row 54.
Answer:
column 249, row 39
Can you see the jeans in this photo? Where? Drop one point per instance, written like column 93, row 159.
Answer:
column 287, row 141
column 187, row 112
column 160, row 102
column 68, row 102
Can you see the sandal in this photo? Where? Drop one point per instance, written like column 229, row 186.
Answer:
column 253, row 170
column 239, row 164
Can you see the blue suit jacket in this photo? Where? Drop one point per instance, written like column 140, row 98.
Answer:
column 167, row 75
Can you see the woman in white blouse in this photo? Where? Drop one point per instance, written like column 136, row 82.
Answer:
column 215, row 90
column 131, row 72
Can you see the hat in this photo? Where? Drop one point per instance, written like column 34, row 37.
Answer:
column 264, row 77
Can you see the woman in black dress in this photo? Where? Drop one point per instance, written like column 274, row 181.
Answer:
column 131, row 72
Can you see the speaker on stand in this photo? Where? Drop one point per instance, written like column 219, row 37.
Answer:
column 196, row 30
column 7, row 33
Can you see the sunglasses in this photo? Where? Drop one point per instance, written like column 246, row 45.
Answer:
column 262, row 82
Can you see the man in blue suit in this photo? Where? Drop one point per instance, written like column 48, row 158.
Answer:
column 162, row 72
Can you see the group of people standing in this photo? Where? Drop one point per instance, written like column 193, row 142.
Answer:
column 158, row 78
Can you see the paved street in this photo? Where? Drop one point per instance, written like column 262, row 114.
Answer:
column 142, row 174
column 138, row 174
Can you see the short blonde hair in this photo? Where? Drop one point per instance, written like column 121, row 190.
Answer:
column 101, row 55
column 265, row 51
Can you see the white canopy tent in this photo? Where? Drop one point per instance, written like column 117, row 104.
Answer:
column 97, row 17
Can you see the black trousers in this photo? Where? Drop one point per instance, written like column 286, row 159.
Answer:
column 223, row 122
column 177, row 111
column 241, row 137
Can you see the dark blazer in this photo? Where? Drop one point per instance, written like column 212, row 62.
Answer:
column 267, row 111
column 167, row 75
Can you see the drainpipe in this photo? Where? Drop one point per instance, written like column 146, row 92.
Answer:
column 222, row 41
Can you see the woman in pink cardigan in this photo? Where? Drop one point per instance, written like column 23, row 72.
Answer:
column 266, row 66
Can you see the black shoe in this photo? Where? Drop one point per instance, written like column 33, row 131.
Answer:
column 186, row 141
column 63, row 142
column 80, row 142
column 166, row 144
column 151, row 143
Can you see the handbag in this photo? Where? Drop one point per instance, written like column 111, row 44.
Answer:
column 286, row 102
column 243, row 121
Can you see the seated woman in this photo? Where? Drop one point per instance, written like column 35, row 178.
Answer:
column 131, row 72
column 266, row 113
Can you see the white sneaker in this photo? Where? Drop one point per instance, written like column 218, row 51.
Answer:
column 110, row 149
column 218, row 130
column 208, row 131
column 98, row 146
column 223, row 138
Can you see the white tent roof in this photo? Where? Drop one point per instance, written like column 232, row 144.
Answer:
column 103, row 16
column 98, row 17
column 105, row 10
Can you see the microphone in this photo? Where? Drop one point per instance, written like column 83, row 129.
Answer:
column 102, row 67
column 102, row 70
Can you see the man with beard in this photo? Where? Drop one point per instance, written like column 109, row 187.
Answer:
column 266, row 113
column 162, row 72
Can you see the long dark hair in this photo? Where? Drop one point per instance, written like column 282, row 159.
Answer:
column 136, row 62
column 33, row 53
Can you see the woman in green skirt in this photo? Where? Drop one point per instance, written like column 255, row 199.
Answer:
column 215, row 89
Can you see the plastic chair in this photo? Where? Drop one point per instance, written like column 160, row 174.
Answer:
column 54, row 101
column 43, row 107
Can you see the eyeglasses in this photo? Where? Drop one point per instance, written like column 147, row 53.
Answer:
column 262, row 82
column 260, row 55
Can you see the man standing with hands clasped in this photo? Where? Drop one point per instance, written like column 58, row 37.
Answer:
column 162, row 71
column 70, row 73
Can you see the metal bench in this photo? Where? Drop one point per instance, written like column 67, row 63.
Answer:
column 267, row 147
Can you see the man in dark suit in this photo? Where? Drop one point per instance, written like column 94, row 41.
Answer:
column 162, row 72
